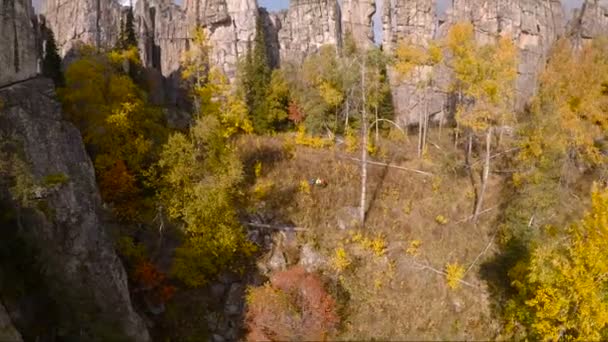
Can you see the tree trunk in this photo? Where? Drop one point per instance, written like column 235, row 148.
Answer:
column 469, row 149
column 420, row 124
column 486, row 173
column 347, row 114
column 426, row 120
column 363, row 149
column 377, row 134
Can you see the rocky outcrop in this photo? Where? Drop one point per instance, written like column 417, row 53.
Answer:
column 534, row 26
column 591, row 20
column 416, row 23
column 18, row 57
column 405, row 19
column 207, row 12
column 7, row 329
column 93, row 22
column 65, row 221
column 306, row 26
column 230, row 38
column 357, row 21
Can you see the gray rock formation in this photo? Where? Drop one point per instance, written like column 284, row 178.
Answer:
column 404, row 19
column 591, row 20
column 306, row 26
column 230, row 38
column 70, row 229
column 357, row 19
column 164, row 35
column 18, row 57
column 534, row 26
column 93, row 22
column 415, row 22
column 7, row 329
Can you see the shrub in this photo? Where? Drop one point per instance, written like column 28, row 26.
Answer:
column 302, row 138
column 454, row 274
column 293, row 306
column 341, row 261
column 55, row 179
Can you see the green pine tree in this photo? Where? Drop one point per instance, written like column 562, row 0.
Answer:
column 257, row 80
column 126, row 37
column 51, row 62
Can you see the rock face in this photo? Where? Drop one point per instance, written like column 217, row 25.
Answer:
column 164, row 34
column 415, row 22
column 69, row 228
column 94, row 22
column 230, row 38
column 591, row 20
column 357, row 20
column 534, row 26
column 306, row 26
column 18, row 57
column 7, row 329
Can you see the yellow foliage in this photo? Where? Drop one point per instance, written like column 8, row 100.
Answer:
column 562, row 287
column 441, row 219
column 257, row 169
column 375, row 245
column 413, row 248
column 306, row 140
column 262, row 189
column 304, row 187
column 341, row 261
column 408, row 207
column 351, row 141
column 454, row 274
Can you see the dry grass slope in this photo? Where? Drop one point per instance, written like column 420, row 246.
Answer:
column 390, row 278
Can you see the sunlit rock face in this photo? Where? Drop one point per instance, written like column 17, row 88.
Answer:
column 92, row 22
column 534, row 26
column 306, row 26
column 357, row 21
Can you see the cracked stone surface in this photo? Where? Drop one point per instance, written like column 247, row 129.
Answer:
column 18, row 55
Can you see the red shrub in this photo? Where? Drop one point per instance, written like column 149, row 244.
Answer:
column 294, row 306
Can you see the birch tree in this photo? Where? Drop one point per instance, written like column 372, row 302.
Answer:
column 485, row 76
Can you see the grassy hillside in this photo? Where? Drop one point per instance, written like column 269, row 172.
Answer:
column 389, row 275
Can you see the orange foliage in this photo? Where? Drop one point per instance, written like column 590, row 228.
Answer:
column 294, row 113
column 148, row 276
column 117, row 186
column 294, row 306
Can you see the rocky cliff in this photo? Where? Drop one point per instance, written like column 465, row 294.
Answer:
column 65, row 219
column 306, row 26
column 591, row 20
column 59, row 205
column 18, row 57
column 94, row 22
column 294, row 33
column 534, row 26
column 357, row 21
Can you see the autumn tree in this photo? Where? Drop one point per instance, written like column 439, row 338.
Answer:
column 485, row 80
column 562, row 288
column 121, row 131
column 416, row 62
column 294, row 306
column 201, row 173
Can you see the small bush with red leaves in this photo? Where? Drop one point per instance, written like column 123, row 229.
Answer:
column 293, row 306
